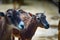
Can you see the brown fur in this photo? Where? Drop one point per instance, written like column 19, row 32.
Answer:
column 27, row 33
column 5, row 33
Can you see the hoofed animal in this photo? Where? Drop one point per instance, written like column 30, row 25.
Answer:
column 31, row 24
column 12, row 20
column 9, row 21
column 5, row 32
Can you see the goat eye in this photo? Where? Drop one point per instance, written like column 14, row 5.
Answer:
column 38, row 18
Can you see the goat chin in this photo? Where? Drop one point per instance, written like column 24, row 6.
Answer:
column 10, row 27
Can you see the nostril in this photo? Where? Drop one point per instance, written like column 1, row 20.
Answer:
column 22, row 26
column 47, row 26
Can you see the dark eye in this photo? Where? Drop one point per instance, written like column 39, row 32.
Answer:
column 2, row 14
column 38, row 18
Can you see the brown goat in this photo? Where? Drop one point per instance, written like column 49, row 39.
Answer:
column 31, row 23
column 31, row 26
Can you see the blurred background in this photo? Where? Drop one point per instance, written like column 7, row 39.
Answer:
column 48, row 7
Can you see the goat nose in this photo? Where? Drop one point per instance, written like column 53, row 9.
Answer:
column 22, row 26
column 47, row 26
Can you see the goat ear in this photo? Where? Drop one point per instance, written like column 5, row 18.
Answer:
column 30, row 14
column 2, row 14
